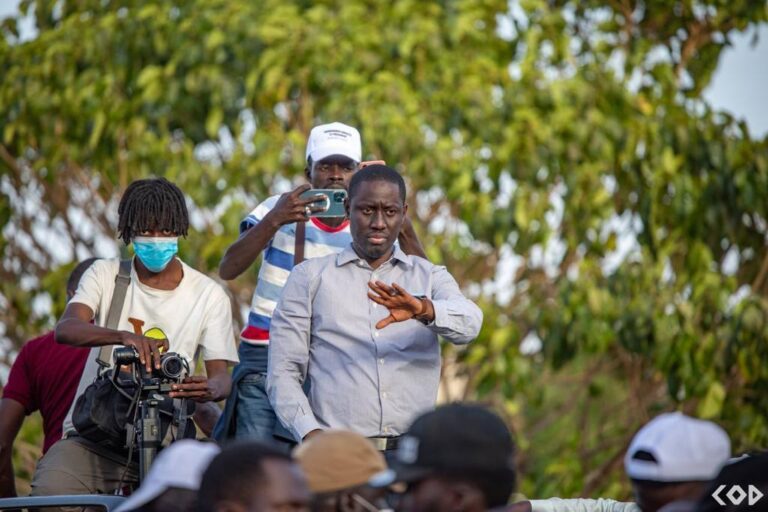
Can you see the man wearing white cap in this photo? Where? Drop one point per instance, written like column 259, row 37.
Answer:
column 282, row 228
column 672, row 459
column 173, row 479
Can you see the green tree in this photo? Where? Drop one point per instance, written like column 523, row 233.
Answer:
column 563, row 164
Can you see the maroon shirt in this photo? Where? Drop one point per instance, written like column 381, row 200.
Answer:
column 45, row 377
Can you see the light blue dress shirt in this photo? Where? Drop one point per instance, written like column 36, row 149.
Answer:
column 367, row 380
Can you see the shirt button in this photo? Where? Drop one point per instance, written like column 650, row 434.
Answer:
column 376, row 334
column 381, row 361
column 384, row 394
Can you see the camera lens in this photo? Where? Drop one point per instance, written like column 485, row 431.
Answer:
column 338, row 197
column 172, row 366
column 124, row 356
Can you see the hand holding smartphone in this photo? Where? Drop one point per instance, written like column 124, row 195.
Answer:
column 331, row 204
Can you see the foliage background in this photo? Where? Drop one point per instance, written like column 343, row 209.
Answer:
column 569, row 173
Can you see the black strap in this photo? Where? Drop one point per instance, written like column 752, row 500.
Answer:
column 298, row 249
column 122, row 280
column 182, row 415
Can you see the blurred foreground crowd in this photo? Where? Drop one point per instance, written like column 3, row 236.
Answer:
column 457, row 458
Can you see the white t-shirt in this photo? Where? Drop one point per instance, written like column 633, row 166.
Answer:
column 195, row 317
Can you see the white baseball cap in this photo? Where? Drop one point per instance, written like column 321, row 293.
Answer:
column 677, row 448
column 181, row 465
column 334, row 139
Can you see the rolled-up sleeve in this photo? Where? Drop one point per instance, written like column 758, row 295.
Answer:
column 289, row 336
column 457, row 318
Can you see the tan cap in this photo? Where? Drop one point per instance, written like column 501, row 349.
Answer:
column 334, row 460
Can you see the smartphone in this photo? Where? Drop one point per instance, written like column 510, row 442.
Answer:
column 332, row 201
column 365, row 164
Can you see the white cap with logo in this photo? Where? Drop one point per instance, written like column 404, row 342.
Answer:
column 334, row 139
column 674, row 447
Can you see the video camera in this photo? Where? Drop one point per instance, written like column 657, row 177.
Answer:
column 173, row 369
column 155, row 410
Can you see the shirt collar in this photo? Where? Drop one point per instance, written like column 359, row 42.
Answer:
column 349, row 255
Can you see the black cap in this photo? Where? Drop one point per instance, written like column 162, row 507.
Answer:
column 750, row 472
column 451, row 440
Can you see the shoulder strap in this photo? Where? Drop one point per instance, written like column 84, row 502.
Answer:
column 122, row 280
column 298, row 250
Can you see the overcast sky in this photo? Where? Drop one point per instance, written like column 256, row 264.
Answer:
column 740, row 84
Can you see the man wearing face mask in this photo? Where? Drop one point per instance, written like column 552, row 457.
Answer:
column 168, row 306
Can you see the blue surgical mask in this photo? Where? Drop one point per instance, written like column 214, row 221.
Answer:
column 155, row 252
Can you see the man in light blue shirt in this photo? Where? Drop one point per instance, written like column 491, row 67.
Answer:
column 362, row 326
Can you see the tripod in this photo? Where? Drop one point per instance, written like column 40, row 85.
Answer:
column 148, row 427
column 148, row 434
column 151, row 390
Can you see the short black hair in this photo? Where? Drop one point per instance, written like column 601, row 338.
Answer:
column 376, row 172
column 237, row 473
column 149, row 204
column 496, row 486
column 77, row 273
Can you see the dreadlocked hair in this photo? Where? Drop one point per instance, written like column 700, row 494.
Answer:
column 152, row 204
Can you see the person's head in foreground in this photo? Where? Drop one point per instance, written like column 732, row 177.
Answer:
column 334, row 151
column 376, row 209
column 152, row 215
column 173, row 479
column 253, row 477
column 338, row 465
column 741, row 486
column 457, row 458
column 672, row 460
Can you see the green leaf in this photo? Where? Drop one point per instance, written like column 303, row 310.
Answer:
column 99, row 121
column 712, row 404
column 213, row 122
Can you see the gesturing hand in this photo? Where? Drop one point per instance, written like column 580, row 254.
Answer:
column 401, row 304
column 292, row 208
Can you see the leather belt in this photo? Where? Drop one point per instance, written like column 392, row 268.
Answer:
column 384, row 444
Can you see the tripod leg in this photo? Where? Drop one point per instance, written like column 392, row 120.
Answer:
column 148, row 435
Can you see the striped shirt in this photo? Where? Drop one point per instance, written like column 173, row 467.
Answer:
column 320, row 240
